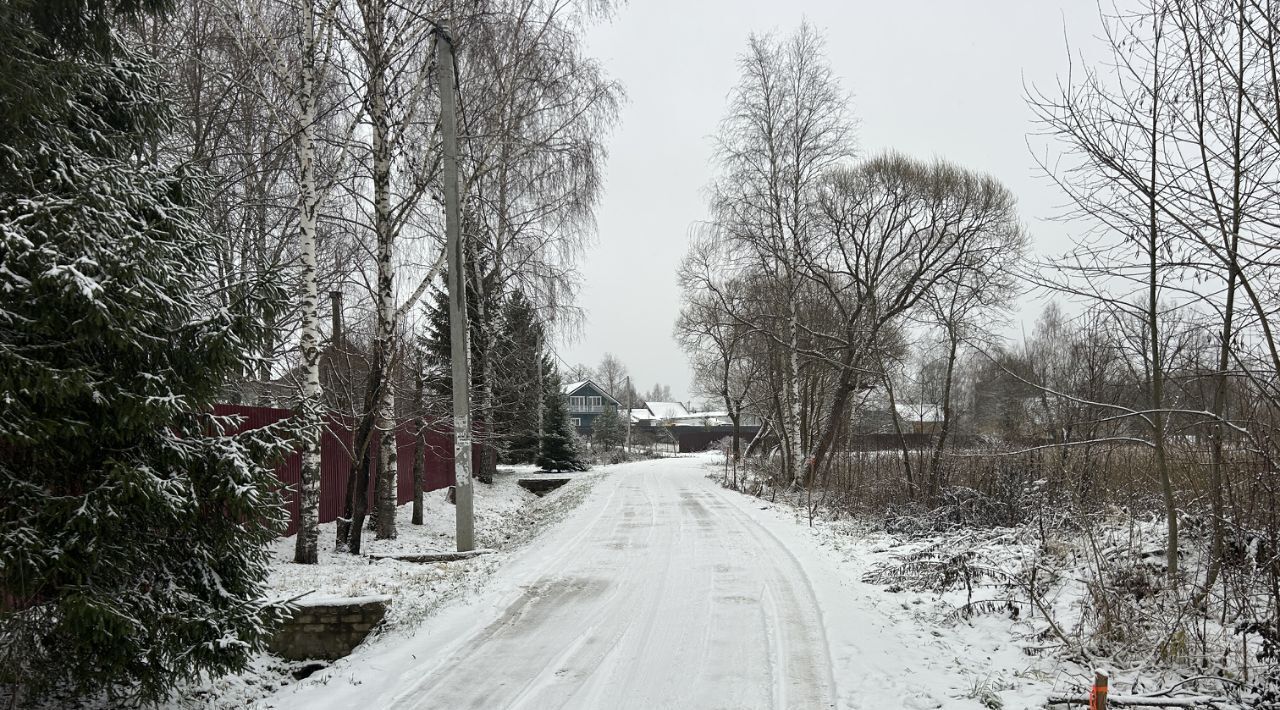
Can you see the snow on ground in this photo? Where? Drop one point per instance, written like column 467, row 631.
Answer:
column 500, row 515
column 506, row 517
column 647, row 585
column 897, row 649
column 925, row 656
column 663, row 590
column 1005, row 654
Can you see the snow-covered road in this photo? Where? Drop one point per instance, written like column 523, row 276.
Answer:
column 661, row 590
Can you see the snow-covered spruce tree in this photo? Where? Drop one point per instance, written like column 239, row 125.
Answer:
column 438, row 345
column 134, row 532
column 608, row 430
column 519, row 354
column 558, row 450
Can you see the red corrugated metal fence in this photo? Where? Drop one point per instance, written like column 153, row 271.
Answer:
column 335, row 459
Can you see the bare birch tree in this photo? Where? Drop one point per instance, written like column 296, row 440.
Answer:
column 788, row 124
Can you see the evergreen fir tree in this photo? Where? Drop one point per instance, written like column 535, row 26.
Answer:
column 134, row 532
column 516, row 390
column 559, row 450
column 608, row 430
column 438, row 347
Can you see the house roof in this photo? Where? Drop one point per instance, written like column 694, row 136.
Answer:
column 641, row 415
column 699, row 419
column 667, row 410
column 573, row 387
column 703, row 415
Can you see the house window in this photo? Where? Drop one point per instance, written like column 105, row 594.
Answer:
column 576, row 421
column 584, row 403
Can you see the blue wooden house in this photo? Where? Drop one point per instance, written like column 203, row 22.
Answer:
column 587, row 400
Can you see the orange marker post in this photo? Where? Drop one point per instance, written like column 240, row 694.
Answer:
column 1098, row 696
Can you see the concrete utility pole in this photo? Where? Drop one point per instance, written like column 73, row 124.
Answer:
column 537, row 355
column 459, row 332
column 628, row 446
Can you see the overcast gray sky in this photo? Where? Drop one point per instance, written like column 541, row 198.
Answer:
column 928, row 78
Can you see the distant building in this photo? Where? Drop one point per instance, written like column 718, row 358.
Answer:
column 669, row 414
column 920, row 418
column 699, row 419
column 643, row 418
column 587, row 400
column 666, row 410
column 691, row 431
column 344, row 374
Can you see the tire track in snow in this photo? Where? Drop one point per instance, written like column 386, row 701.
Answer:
column 800, row 679
column 655, row 593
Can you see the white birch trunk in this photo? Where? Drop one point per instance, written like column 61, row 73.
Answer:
column 375, row 26
column 305, row 551
column 798, row 458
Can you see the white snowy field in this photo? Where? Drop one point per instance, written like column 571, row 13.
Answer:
column 501, row 513
column 663, row 590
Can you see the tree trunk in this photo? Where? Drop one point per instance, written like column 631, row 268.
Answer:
column 1232, row 242
column 1157, row 393
column 350, row 532
column 489, row 449
column 360, row 497
column 305, row 549
column 371, row 515
column 736, row 418
column 756, row 440
column 419, row 446
column 781, row 417
column 419, row 438
column 261, row 259
column 1157, row 364
column 839, row 403
column 935, row 464
column 343, row 528
column 798, row 459
column 902, row 439
column 375, row 27
column 1218, row 430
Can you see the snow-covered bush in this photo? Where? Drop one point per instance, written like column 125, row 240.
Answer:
column 134, row 528
column 977, row 564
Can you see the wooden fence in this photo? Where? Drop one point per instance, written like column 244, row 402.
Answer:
column 335, row 459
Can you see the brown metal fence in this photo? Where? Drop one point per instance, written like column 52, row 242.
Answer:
column 335, row 459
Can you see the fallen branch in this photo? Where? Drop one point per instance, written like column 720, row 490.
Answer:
column 289, row 600
column 1148, row 701
column 423, row 557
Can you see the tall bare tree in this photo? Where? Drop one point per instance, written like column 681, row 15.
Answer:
column 896, row 231
column 720, row 346
column 787, row 125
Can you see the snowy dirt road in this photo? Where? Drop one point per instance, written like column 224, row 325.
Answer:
column 661, row 590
